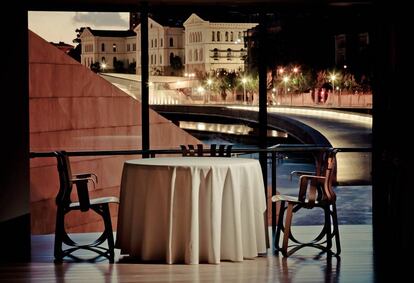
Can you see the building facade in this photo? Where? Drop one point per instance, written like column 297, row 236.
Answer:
column 214, row 46
column 165, row 44
column 202, row 47
column 107, row 47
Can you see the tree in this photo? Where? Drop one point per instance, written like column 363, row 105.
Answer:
column 96, row 67
column 175, row 62
column 75, row 53
column 226, row 81
column 132, row 68
column 118, row 66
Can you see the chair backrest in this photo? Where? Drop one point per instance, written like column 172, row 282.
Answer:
column 223, row 150
column 316, row 189
column 330, row 169
column 66, row 180
column 65, row 175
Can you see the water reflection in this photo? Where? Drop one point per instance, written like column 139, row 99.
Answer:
column 321, row 268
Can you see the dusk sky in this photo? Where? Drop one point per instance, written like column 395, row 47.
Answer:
column 61, row 26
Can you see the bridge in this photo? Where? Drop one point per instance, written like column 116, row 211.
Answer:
column 309, row 126
column 308, row 122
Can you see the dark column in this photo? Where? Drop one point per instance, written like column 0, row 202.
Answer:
column 393, row 191
column 14, row 168
column 145, row 135
column 263, row 94
column 263, row 104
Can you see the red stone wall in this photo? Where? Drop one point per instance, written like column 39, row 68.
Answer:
column 73, row 109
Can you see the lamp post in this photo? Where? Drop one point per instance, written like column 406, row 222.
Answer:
column 295, row 82
column 209, row 83
column 333, row 78
column 285, row 80
column 244, row 80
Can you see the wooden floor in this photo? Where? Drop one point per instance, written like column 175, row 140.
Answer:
column 355, row 265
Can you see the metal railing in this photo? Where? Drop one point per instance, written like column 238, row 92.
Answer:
column 273, row 153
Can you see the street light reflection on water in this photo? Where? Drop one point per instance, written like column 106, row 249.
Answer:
column 234, row 129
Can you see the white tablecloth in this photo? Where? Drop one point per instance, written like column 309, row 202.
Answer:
column 192, row 209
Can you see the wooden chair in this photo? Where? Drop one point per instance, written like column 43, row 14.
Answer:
column 65, row 205
column 223, row 150
column 314, row 191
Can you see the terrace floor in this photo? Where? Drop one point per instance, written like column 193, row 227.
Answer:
column 354, row 265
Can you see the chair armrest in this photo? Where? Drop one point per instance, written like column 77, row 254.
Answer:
column 309, row 182
column 299, row 173
column 83, row 193
column 86, row 175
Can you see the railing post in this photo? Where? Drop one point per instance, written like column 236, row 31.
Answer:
column 273, row 203
column 144, row 81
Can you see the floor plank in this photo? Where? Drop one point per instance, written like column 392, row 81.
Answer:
column 355, row 265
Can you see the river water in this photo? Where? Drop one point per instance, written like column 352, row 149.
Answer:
column 354, row 203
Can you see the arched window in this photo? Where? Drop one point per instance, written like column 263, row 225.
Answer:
column 103, row 47
column 218, row 36
column 231, row 36
column 190, row 55
column 226, row 36
column 103, row 60
column 171, row 42
column 200, row 54
column 155, row 42
column 114, row 47
column 161, row 42
column 201, row 36
column 213, row 38
column 152, row 43
column 195, row 55
column 228, row 54
column 160, row 59
column 151, row 59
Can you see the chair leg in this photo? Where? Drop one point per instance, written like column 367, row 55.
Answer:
column 59, row 232
column 286, row 233
column 327, row 228
column 279, row 227
column 108, row 231
column 336, row 230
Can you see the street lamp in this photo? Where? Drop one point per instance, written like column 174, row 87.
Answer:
column 103, row 65
column 244, row 80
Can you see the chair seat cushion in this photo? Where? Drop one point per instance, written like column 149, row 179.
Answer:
column 285, row 198
column 96, row 201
